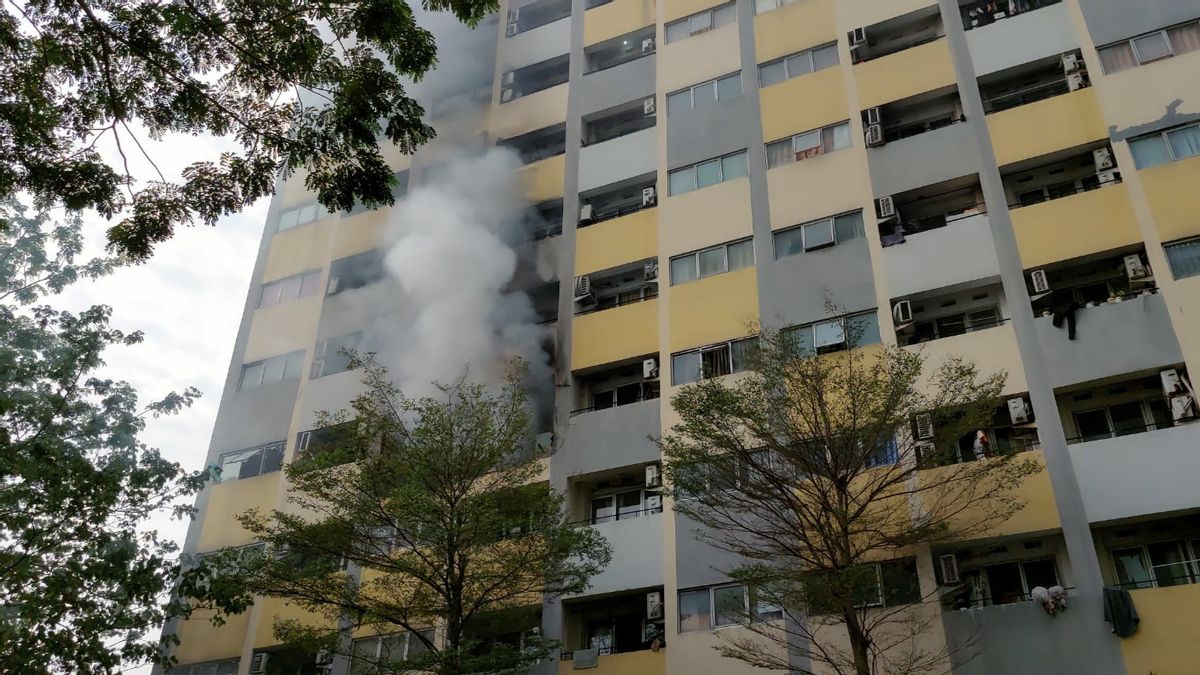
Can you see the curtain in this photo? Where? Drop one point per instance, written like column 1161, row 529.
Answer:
column 779, row 153
column 1185, row 142
column 1117, row 58
column 1184, row 258
column 1149, row 151
column 1185, row 38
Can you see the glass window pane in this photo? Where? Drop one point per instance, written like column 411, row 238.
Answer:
column 806, row 142
column 825, row 57
column 1117, row 58
column 699, row 23
column 841, row 136
column 801, row 339
column 1185, row 142
column 685, row 368
column 1040, row 573
column 307, row 214
column 683, row 269
column 680, row 101
column 677, row 30
column 739, row 351
column 799, row 64
column 712, row 261
column 1184, row 258
column 1151, row 47
column 900, row 585
column 771, row 73
column 761, row 6
column 231, row 464
column 789, row 242
column 227, row 668
column 683, row 180
column 295, row 362
column 289, row 219
column 1149, row 151
column 205, row 669
column 780, row 153
column 708, row 173
column 729, row 87
column 1168, row 564
column 818, row 235
column 1127, row 418
column 724, row 15
column 1092, row 425
column 829, row 334
column 733, row 166
column 1185, row 39
column 848, row 226
column 1132, row 571
column 273, row 369
column 251, row 376
column 704, row 94
column 741, row 255
column 603, row 509
column 694, row 610
column 290, row 289
column 729, row 604
column 270, row 295
column 310, row 283
column 272, row 458
column 629, row 505
column 864, row 329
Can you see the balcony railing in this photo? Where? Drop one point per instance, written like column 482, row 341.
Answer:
column 977, row 14
column 987, row 600
column 645, row 395
column 1015, row 99
column 650, row 292
column 1126, row 430
column 918, row 127
column 895, row 49
column 1064, row 189
column 972, row 328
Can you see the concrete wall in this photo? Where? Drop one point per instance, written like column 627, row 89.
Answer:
column 606, row 88
column 535, row 46
column 712, row 131
column 1021, row 39
column 794, row 287
column 698, row 563
column 921, row 262
column 637, row 548
column 1153, row 472
column 607, row 438
column 618, row 159
column 925, row 159
column 1111, row 20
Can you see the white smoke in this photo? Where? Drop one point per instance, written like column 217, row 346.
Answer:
column 449, row 256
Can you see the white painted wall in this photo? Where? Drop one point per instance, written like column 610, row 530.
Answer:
column 637, row 555
column 618, row 159
column 1021, row 39
column 534, row 46
column 921, row 263
column 1142, row 474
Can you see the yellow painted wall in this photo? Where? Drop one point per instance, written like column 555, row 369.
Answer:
column 360, row 233
column 698, row 58
column 616, row 18
column 299, row 249
column 1045, row 126
column 293, row 192
column 792, row 28
column 706, row 217
column 1039, row 514
column 993, row 350
column 860, row 13
column 283, row 328
column 815, row 188
column 674, row 9
column 1171, row 191
column 201, row 641
column 630, row 663
column 903, row 74
column 693, row 653
column 271, row 609
column 614, row 334
column 529, row 113
column 710, row 310
column 804, row 103
column 544, row 180
column 1069, row 227
column 219, row 528
column 1147, row 93
column 1168, row 637
column 618, row 241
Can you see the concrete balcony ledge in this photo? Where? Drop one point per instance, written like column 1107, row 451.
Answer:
column 992, row 349
column 924, row 159
column 921, row 263
column 609, row 438
column 618, row 158
column 643, row 662
column 1043, row 32
column 601, row 89
column 637, row 555
column 1140, row 474
column 982, row 640
column 1111, row 339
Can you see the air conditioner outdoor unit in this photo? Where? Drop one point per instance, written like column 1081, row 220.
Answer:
column 1172, row 384
column 949, row 564
column 1106, row 177
column 923, row 449
column 653, row 476
column 1103, row 158
column 902, row 312
column 332, row 286
column 874, row 136
column 1018, row 410
column 648, row 106
column 302, row 440
column 649, row 196
column 924, row 424
column 654, row 605
column 654, row 503
column 1075, row 82
column 513, row 15
column 650, row 271
column 1040, row 283
column 510, row 30
column 506, row 95
column 258, row 663
column 583, row 287
column 506, row 79
column 1134, row 268
column 648, row 46
column 857, row 37
column 1070, row 63
column 885, row 208
column 586, row 213
column 650, row 369
column 874, row 116
column 324, row 657
column 1182, row 408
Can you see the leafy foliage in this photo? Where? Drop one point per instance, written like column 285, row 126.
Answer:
column 295, row 83
column 81, row 583
column 807, row 470
column 435, row 509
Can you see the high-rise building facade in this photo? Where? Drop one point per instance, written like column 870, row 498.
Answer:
column 1014, row 182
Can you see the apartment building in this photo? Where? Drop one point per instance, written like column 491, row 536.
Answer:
column 961, row 177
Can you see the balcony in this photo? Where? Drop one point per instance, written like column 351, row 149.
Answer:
column 981, row 640
column 618, row 158
column 616, row 241
column 922, row 68
column 615, row 18
column 614, row 334
column 618, row 436
column 632, row 663
column 1138, row 474
column 921, row 263
column 621, row 49
column 934, row 156
column 1061, row 121
column 1045, row 32
column 992, row 349
column 637, row 547
column 1082, row 222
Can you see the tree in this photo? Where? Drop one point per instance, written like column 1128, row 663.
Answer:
column 808, row 471
column 81, row 581
column 295, row 83
column 435, row 507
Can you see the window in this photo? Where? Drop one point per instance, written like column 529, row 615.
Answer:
column 1166, row 146
column 293, row 287
column 251, row 462
column 1008, row 582
column 830, row 336
column 808, row 144
column 725, row 605
column 354, row 271
column 372, row 655
column 695, row 610
column 269, row 371
column 705, row 94
column 229, row 667
column 761, row 6
column 1151, row 47
column 723, row 358
column 795, row 65
column 332, row 355
column 534, row 78
column 818, row 234
column 1184, row 257
column 895, row 583
column 701, row 22
column 620, row 506
column 708, row 173
column 399, row 189
column 716, row 260
column 1122, row 419
column 300, row 215
column 1163, row 563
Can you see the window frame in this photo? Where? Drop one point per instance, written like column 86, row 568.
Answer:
column 1162, row 137
column 260, row 449
column 716, row 346
column 1144, row 408
column 716, row 89
column 281, row 283
column 1131, row 43
column 407, row 636
column 844, row 321
column 787, row 71
column 693, row 169
column 820, row 131
column 803, row 228
column 1162, row 32
column 695, row 257
column 1188, row 545
column 1189, row 242
column 712, row 22
column 264, row 364
column 318, row 212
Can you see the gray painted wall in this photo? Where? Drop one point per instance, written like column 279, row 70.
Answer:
column 1134, row 475
column 617, row 159
column 637, row 550
column 925, row 159
column 1110, row 340
column 921, row 264
column 696, row 135
column 535, row 46
column 792, row 290
column 606, row 88
column 1038, row 34
column 697, row 563
column 254, row 416
column 1018, row 639
column 1111, row 20
column 604, row 439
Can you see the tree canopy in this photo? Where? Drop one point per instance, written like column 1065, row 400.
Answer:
column 811, row 471
column 294, row 83
column 82, row 581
